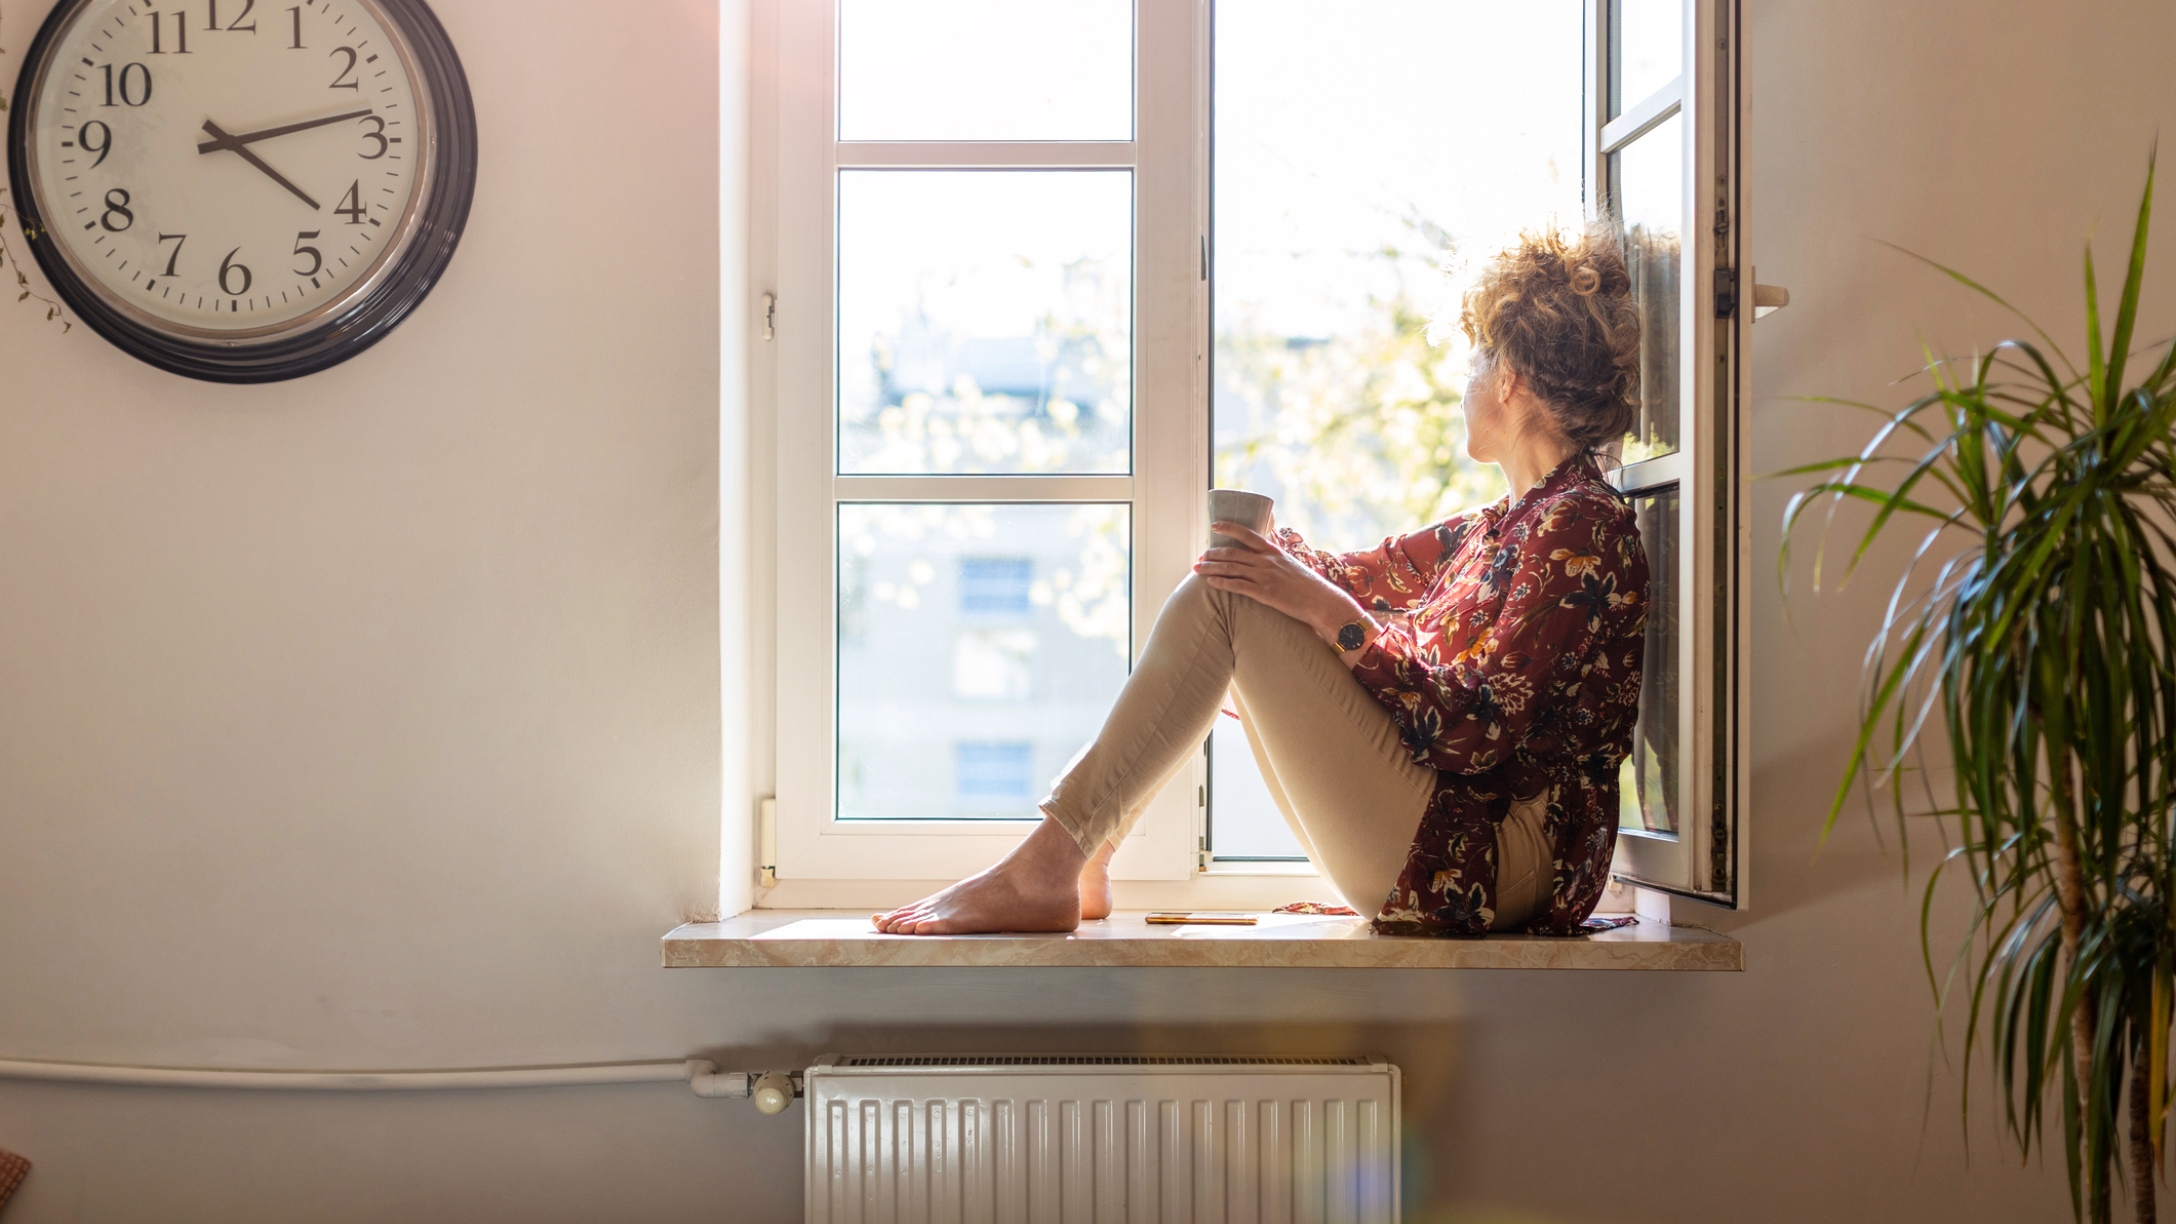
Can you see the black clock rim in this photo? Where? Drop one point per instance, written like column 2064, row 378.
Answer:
column 368, row 319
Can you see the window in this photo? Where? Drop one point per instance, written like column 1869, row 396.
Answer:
column 1046, row 271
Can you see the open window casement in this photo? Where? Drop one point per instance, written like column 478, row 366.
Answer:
column 1666, row 126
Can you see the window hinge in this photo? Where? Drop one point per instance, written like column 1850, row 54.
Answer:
column 1726, row 293
column 767, row 841
column 1205, row 257
column 770, row 316
column 1201, row 855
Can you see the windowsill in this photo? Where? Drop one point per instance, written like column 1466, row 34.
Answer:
column 840, row 939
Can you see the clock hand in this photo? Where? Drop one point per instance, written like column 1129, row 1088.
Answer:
column 235, row 142
column 225, row 141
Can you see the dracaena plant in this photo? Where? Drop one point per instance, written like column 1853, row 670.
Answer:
column 2032, row 641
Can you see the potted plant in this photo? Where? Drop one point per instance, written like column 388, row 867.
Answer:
column 2036, row 630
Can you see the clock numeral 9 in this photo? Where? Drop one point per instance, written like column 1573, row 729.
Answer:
column 227, row 269
column 135, row 84
column 317, row 257
column 117, row 206
column 351, row 204
column 104, row 145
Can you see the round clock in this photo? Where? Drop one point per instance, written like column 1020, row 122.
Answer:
column 242, row 190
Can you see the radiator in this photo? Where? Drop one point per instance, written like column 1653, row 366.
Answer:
column 1101, row 1140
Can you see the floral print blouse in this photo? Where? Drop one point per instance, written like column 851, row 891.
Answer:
column 1514, row 672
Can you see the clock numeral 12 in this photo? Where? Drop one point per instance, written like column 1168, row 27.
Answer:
column 211, row 19
column 351, row 204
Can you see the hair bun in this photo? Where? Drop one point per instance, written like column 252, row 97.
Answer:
column 1585, row 280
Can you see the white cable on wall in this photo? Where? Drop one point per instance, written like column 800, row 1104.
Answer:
column 700, row 1074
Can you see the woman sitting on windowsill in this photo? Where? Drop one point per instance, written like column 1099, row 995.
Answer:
column 1441, row 718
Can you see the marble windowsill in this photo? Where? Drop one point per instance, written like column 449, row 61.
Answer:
column 837, row 939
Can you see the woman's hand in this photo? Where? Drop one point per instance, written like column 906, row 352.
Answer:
column 1265, row 573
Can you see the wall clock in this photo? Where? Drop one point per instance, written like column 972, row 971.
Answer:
column 242, row 190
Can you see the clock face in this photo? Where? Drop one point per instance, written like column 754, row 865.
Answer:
column 242, row 190
column 228, row 166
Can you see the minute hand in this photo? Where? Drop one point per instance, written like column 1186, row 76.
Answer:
column 237, row 141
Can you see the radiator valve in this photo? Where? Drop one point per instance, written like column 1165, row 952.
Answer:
column 773, row 1091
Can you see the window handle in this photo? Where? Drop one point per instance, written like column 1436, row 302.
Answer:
column 1767, row 299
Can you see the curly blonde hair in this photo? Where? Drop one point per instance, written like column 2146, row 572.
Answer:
column 1560, row 309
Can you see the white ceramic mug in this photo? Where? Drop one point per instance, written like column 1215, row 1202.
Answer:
column 1237, row 506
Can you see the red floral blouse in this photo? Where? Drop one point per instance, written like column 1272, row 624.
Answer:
column 1515, row 672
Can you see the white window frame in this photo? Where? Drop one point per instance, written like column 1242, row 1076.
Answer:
column 1706, row 859
column 819, row 860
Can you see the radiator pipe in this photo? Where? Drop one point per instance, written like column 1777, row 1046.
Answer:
column 699, row 1074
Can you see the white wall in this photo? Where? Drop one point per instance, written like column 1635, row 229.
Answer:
column 373, row 720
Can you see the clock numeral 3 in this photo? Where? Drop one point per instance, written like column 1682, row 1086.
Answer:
column 179, row 241
column 351, row 204
column 317, row 257
column 104, row 145
column 134, row 82
column 378, row 135
column 117, row 206
column 342, row 81
column 227, row 269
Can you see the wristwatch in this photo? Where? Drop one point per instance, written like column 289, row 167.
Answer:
column 1352, row 637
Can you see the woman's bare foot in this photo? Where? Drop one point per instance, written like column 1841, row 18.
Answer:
column 1095, row 884
column 1035, row 888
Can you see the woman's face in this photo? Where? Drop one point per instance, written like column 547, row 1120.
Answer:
column 1488, row 423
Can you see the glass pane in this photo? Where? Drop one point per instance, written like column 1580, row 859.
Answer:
column 1646, row 49
column 1244, row 821
column 1648, row 795
column 986, row 70
column 1344, row 181
column 979, row 648
column 985, row 321
column 1648, row 181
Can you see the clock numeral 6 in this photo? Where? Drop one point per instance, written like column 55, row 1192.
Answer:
column 227, row 269
column 104, row 143
column 135, row 84
column 117, row 206
column 317, row 257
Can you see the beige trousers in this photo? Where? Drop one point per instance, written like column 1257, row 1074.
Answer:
column 1331, row 753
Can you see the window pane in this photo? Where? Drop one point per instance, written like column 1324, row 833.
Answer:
column 1347, row 172
column 1646, row 49
column 1648, row 801
column 1648, row 202
column 985, row 70
column 979, row 648
column 1244, row 822
column 985, row 321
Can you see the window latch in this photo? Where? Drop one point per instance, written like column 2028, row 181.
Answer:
column 770, row 316
column 1726, row 293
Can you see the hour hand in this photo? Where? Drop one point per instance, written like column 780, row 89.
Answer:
column 222, row 141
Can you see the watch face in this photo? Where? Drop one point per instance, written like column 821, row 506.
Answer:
column 1352, row 636
column 221, row 174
